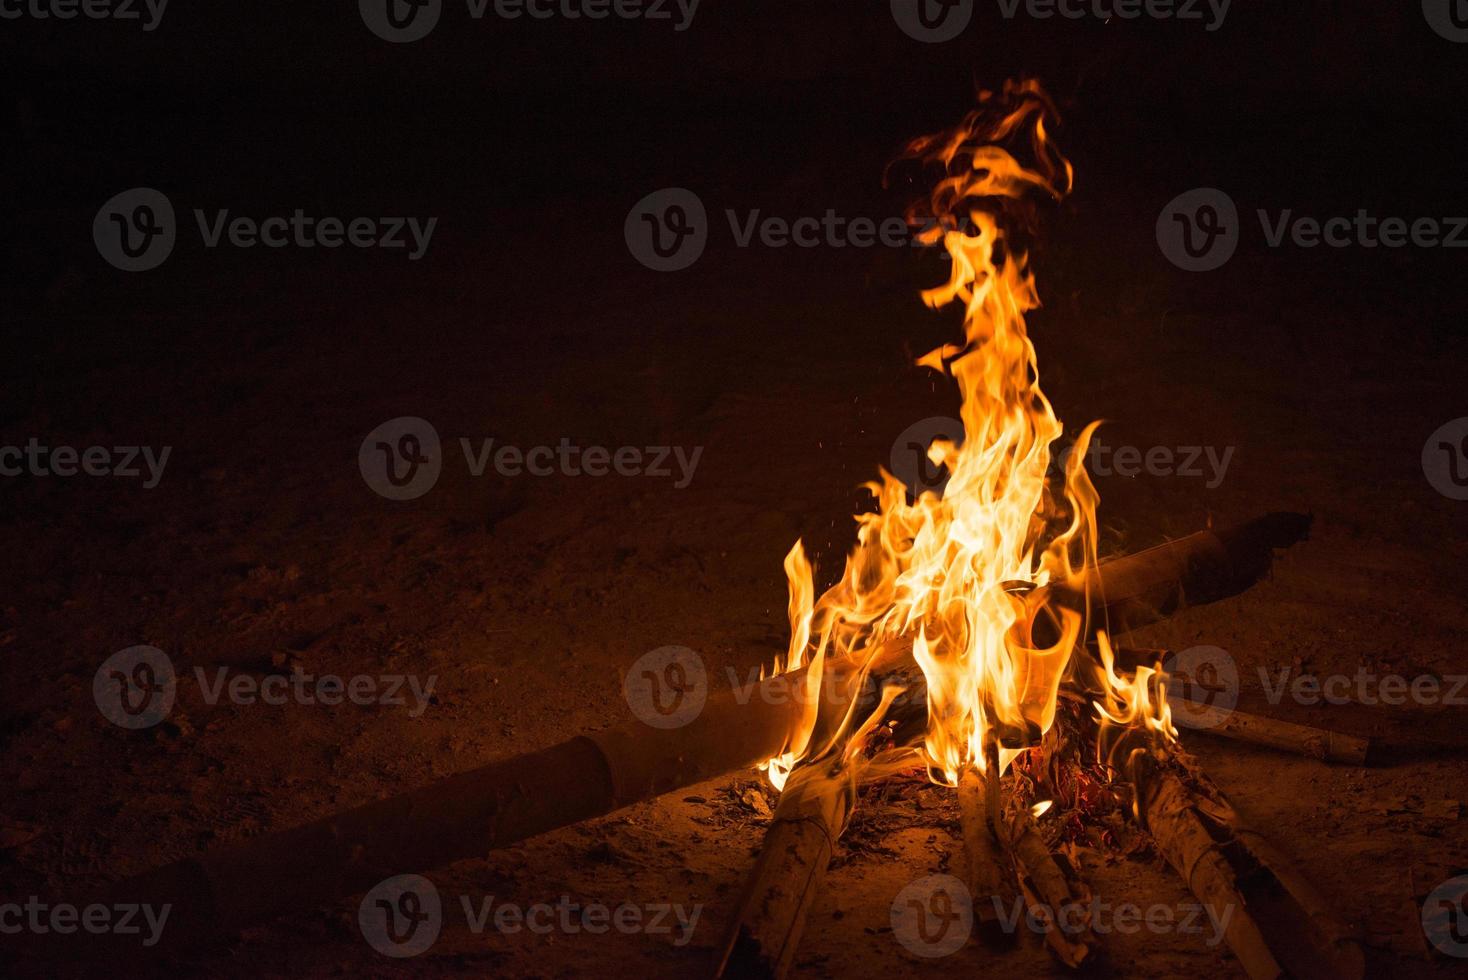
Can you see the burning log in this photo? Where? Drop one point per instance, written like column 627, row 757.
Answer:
column 986, row 869
column 507, row 801
column 765, row 935
column 1143, row 588
column 1308, row 740
column 1052, row 889
column 1277, row 924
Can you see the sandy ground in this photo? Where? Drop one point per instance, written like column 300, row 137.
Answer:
column 529, row 598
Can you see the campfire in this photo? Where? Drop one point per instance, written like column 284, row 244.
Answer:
column 986, row 600
column 970, row 639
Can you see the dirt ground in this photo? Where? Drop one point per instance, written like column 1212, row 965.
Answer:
column 528, row 598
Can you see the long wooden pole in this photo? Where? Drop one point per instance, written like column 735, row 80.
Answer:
column 1277, row 923
column 503, row 802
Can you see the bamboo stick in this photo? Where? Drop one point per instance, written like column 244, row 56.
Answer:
column 1306, row 740
column 1278, row 924
column 765, row 935
column 987, row 870
column 1052, row 888
column 472, row 813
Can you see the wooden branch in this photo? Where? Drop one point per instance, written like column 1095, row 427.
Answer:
column 1053, row 890
column 987, row 871
column 1151, row 585
column 498, row 804
column 1277, row 924
column 471, row 813
column 812, row 814
column 1307, row 740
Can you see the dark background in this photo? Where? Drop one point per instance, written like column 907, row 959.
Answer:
column 528, row 320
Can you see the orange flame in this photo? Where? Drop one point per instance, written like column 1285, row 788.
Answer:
column 944, row 574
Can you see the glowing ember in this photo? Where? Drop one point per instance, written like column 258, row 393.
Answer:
column 947, row 577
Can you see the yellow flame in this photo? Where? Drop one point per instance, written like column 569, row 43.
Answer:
column 938, row 573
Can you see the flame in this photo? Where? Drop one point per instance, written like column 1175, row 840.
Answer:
column 946, row 575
